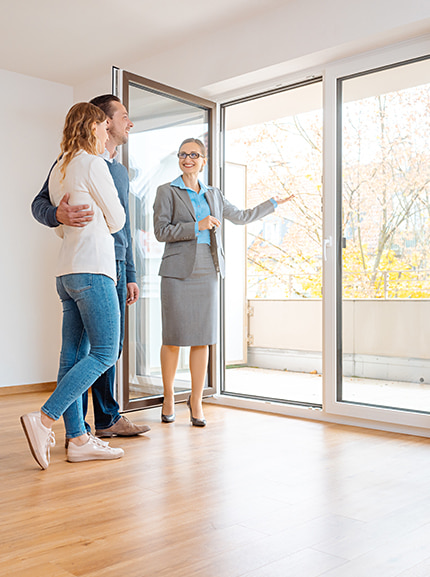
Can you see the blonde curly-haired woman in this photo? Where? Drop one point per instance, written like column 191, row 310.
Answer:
column 86, row 277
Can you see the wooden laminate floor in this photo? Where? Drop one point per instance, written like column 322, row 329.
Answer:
column 251, row 495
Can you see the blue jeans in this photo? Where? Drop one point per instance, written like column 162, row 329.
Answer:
column 90, row 343
column 106, row 409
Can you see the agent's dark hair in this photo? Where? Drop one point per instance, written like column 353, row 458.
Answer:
column 105, row 103
column 196, row 141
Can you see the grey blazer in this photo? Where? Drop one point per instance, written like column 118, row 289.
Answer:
column 174, row 224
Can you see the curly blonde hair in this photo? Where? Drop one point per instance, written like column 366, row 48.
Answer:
column 78, row 133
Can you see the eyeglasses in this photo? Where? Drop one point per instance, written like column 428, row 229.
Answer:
column 192, row 155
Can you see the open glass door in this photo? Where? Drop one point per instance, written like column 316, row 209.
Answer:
column 163, row 117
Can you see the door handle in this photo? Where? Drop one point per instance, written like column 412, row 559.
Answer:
column 328, row 243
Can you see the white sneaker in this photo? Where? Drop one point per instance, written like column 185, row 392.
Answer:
column 40, row 438
column 93, row 450
column 66, row 440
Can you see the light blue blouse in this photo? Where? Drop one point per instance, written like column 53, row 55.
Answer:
column 200, row 205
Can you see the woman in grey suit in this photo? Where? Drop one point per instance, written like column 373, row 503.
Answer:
column 188, row 217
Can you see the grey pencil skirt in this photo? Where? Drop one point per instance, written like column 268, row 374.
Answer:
column 189, row 306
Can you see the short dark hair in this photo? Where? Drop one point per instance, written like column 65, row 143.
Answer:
column 105, row 103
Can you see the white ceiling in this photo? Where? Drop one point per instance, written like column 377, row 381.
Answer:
column 70, row 41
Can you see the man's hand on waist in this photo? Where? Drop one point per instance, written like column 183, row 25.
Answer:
column 78, row 215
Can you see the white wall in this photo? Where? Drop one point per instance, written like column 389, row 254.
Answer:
column 32, row 116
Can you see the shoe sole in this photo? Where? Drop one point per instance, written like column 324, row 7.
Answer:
column 94, row 458
column 104, row 435
column 30, row 440
column 108, row 435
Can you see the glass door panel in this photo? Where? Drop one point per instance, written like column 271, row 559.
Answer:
column 386, row 248
column 162, row 119
column 273, row 145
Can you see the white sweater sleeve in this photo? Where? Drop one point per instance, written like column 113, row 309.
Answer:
column 103, row 190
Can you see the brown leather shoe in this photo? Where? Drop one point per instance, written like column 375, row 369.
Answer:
column 123, row 428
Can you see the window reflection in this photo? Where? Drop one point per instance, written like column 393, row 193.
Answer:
column 161, row 124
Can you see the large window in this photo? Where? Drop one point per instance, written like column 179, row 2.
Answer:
column 386, row 229
column 325, row 303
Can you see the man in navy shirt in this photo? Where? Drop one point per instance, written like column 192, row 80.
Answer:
column 108, row 421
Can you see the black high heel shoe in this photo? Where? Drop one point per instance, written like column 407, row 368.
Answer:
column 167, row 418
column 195, row 422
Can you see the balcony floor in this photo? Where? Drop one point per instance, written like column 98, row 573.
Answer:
column 307, row 388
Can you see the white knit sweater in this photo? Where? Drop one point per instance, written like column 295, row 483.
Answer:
column 88, row 249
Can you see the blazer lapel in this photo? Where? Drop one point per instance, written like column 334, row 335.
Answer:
column 185, row 197
column 209, row 195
